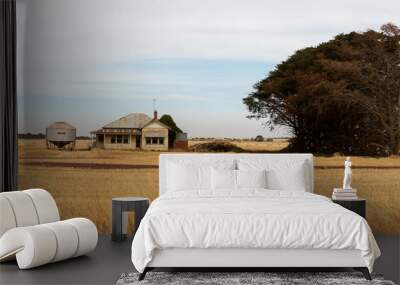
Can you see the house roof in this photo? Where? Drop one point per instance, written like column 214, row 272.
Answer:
column 121, row 131
column 157, row 122
column 131, row 121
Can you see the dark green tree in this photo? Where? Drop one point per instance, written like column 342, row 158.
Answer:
column 341, row 96
column 174, row 129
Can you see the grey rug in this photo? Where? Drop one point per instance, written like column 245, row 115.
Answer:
column 269, row 278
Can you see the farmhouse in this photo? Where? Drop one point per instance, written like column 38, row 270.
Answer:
column 134, row 131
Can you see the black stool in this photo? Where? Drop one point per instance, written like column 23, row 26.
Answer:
column 120, row 207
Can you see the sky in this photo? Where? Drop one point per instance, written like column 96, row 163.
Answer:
column 89, row 62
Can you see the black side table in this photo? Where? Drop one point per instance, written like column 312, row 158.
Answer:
column 358, row 205
column 120, row 207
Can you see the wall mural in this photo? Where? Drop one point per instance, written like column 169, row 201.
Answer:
column 104, row 89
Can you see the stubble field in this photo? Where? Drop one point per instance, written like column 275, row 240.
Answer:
column 86, row 190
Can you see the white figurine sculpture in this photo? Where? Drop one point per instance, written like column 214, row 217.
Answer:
column 347, row 174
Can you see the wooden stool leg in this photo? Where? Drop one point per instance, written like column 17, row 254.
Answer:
column 116, row 221
column 140, row 211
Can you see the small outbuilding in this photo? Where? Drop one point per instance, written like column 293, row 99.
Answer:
column 181, row 141
column 60, row 135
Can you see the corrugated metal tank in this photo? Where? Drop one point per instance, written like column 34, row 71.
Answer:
column 60, row 134
column 181, row 141
column 181, row 137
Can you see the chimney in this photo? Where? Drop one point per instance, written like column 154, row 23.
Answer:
column 155, row 115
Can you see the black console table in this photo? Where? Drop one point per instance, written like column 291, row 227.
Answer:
column 120, row 207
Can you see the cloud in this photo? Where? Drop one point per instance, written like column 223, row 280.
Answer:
column 102, row 30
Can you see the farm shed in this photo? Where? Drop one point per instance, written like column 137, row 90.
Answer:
column 134, row 131
column 181, row 141
column 60, row 135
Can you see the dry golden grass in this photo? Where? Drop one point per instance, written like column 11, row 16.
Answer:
column 381, row 188
column 35, row 150
column 88, row 192
column 247, row 145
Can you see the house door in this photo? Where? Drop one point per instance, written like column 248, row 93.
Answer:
column 138, row 142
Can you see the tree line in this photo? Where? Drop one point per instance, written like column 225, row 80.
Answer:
column 340, row 96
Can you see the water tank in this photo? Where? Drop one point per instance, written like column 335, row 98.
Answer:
column 60, row 134
column 181, row 141
column 181, row 137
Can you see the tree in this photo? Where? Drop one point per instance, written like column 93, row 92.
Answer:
column 382, row 78
column 259, row 138
column 174, row 129
column 341, row 96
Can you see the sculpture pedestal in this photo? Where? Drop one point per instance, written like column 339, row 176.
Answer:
column 350, row 190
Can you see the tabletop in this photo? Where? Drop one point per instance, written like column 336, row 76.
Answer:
column 130, row 199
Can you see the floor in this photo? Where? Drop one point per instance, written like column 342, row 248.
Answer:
column 103, row 266
column 110, row 260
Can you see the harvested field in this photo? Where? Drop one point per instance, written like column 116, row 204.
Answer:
column 83, row 182
column 89, row 165
column 217, row 146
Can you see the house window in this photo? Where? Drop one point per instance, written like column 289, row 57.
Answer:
column 155, row 141
column 119, row 139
